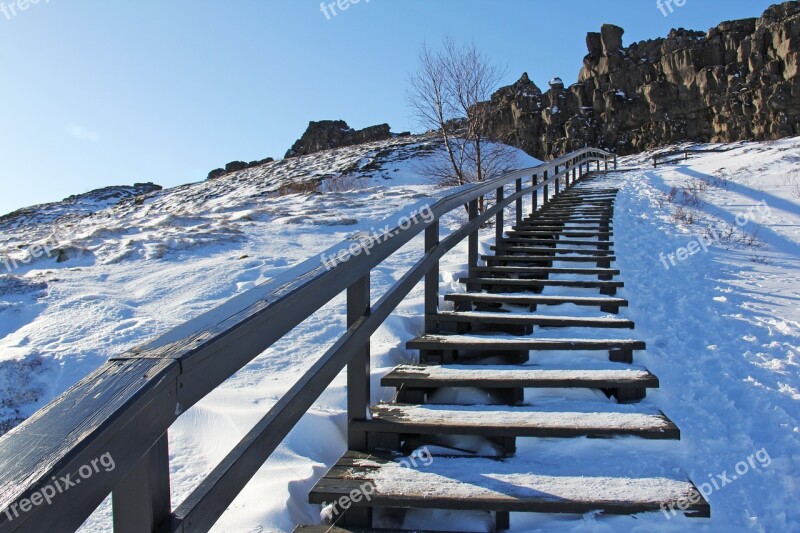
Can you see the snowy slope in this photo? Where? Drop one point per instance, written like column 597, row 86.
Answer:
column 722, row 326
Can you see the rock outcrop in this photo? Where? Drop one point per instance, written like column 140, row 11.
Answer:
column 328, row 134
column 235, row 166
column 737, row 81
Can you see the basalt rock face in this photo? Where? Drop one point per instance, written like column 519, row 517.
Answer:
column 737, row 81
column 328, row 134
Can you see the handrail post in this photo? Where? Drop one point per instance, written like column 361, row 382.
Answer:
column 358, row 369
column 534, row 194
column 606, row 163
column 580, row 171
column 615, row 161
column 432, row 278
column 499, row 220
column 473, row 237
column 545, row 190
column 574, row 173
column 519, row 202
column 142, row 500
column 558, row 182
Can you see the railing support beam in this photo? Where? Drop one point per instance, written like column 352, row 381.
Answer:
column 534, row 195
column 142, row 500
column 499, row 219
column 432, row 277
column 558, row 181
column 358, row 369
column 545, row 190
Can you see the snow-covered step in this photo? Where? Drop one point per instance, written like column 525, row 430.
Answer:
column 527, row 319
column 559, row 227
column 335, row 529
column 554, row 241
column 562, row 232
column 610, row 305
column 612, row 376
column 446, row 347
column 549, row 258
column 522, row 270
column 606, row 287
column 548, row 250
column 498, row 486
column 562, row 419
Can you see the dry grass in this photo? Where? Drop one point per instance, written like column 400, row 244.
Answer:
column 298, row 187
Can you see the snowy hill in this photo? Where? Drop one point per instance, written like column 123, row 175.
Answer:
column 722, row 325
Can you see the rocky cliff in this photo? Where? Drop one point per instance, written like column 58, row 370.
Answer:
column 328, row 134
column 737, row 81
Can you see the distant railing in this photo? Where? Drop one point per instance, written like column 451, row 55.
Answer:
column 120, row 414
column 682, row 155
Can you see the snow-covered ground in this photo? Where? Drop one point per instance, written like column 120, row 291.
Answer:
column 722, row 326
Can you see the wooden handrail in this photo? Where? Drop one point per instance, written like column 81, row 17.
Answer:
column 125, row 408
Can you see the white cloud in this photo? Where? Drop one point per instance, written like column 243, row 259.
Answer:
column 81, row 133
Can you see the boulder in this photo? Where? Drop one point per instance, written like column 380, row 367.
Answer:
column 611, row 36
column 330, row 134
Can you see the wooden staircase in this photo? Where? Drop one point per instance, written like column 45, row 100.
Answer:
column 500, row 338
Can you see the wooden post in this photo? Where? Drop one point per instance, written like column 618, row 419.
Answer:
column 534, row 194
column 499, row 220
column 432, row 277
column 558, row 182
column 606, row 163
column 358, row 369
column 615, row 161
column 519, row 202
column 574, row 173
column 141, row 502
column 473, row 237
column 545, row 191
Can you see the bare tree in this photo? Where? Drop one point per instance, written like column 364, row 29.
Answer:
column 449, row 94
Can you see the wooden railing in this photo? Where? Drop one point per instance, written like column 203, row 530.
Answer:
column 122, row 411
column 666, row 158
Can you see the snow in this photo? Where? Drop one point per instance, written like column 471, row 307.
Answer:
column 480, row 478
column 543, row 414
column 598, row 371
column 722, row 326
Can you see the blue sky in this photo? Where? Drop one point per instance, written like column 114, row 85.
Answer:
column 98, row 93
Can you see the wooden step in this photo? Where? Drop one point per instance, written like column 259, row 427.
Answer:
column 578, row 224
column 558, row 228
column 544, row 217
column 550, row 250
column 501, row 343
column 498, row 486
column 549, row 258
column 613, row 376
column 609, row 305
column 334, row 529
column 556, row 420
column 520, row 319
column 567, row 242
column 606, row 287
column 562, row 233
column 508, row 270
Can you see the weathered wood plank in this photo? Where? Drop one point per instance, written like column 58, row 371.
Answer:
column 523, row 421
column 517, row 376
column 457, row 489
column 118, row 411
